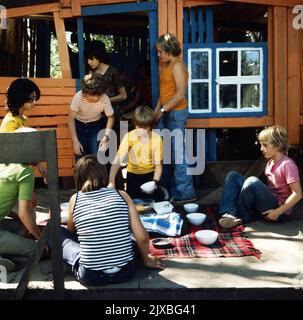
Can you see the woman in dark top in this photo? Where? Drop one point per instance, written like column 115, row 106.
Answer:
column 98, row 61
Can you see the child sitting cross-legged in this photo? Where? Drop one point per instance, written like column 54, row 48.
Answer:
column 246, row 200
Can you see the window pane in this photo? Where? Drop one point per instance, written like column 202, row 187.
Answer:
column 228, row 63
column 228, row 96
column 199, row 65
column 199, row 96
column 250, row 96
column 250, row 63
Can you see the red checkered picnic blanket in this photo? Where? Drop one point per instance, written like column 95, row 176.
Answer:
column 230, row 243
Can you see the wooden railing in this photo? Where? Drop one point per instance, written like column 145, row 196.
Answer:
column 29, row 148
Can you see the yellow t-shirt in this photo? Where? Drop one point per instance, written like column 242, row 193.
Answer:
column 11, row 123
column 142, row 154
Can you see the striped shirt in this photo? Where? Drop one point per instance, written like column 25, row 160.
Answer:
column 91, row 111
column 102, row 223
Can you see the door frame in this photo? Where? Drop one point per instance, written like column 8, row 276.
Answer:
column 151, row 7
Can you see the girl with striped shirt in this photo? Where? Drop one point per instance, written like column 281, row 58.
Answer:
column 91, row 111
column 97, row 243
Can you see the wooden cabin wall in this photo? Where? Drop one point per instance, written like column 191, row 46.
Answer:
column 285, row 72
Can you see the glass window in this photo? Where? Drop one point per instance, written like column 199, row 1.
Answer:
column 199, row 82
column 250, row 63
column 250, row 96
column 239, row 79
column 199, row 93
column 228, row 63
column 228, row 96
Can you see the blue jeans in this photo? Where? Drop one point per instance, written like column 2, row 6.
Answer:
column 87, row 135
column 246, row 199
column 71, row 257
column 174, row 176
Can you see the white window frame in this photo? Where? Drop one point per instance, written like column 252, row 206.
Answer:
column 209, row 80
column 239, row 80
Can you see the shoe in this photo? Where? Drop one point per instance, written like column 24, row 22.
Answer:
column 7, row 264
column 183, row 201
column 229, row 221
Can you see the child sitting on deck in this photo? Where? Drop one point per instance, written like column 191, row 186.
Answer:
column 102, row 218
column 244, row 200
column 21, row 97
column 144, row 149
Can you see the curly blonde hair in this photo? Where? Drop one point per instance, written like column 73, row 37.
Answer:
column 169, row 43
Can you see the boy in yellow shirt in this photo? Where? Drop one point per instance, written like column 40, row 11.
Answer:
column 142, row 149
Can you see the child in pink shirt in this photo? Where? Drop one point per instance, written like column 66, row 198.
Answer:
column 244, row 200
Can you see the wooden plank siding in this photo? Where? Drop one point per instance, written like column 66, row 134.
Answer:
column 280, row 65
column 270, row 63
column 50, row 112
column 294, row 89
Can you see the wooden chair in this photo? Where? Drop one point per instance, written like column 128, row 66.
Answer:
column 29, row 148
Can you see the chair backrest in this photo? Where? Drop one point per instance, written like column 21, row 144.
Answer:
column 33, row 147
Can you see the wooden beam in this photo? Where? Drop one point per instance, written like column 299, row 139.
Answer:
column 180, row 22
column 76, row 8
column 65, row 3
column 280, row 66
column 281, row 3
column 172, row 17
column 66, row 13
column 229, row 122
column 31, row 10
column 195, row 3
column 270, row 64
column 101, row 2
column 294, row 81
column 162, row 17
column 62, row 45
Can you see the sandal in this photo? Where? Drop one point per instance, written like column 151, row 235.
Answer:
column 229, row 221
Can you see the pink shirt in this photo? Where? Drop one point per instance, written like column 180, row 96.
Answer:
column 279, row 175
column 91, row 111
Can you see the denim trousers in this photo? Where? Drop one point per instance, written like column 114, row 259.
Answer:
column 87, row 134
column 71, row 257
column 246, row 199
column 174, row 176
column 12, row 240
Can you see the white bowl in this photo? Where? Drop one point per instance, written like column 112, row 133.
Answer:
column 196, row 218
column 191, row 207
column 148, row 187
column 64, row 217
column 64, row 206
column 206, row 237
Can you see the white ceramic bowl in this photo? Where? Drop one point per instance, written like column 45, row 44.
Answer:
column 64, row 206
column 206, row 237
column 148, row 187
column 64, row 217
column 196, row 218
column 191, row 207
